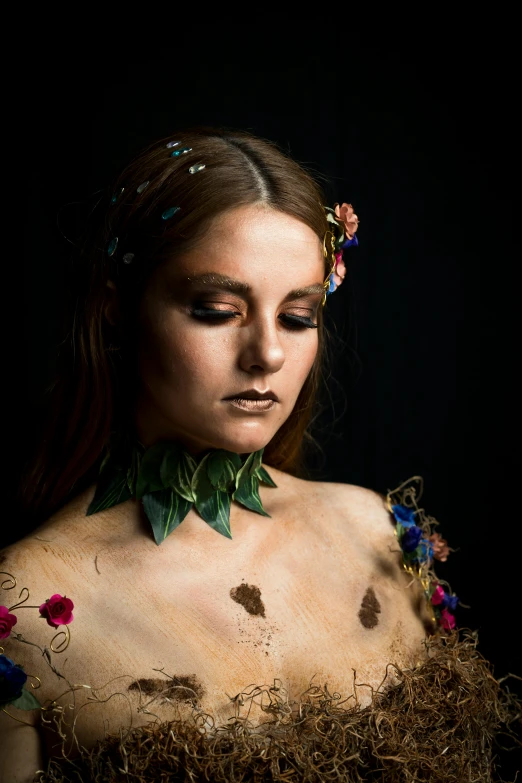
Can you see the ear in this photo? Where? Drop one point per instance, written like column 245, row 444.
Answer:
column 111, row 307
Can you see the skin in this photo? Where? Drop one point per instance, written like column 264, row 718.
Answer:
column 320, row 565
column 188, row 365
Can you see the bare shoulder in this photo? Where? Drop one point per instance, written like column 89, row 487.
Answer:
column 354, row 523
column 45, row 562
column 31, row 557
column 346, row 505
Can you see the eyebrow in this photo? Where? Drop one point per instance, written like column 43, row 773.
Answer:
column 223, row 282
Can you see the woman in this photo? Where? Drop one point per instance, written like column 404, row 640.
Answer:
column 198, row 340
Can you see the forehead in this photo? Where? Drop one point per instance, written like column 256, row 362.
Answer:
column 256, row 244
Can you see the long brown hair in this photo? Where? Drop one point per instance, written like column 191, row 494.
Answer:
column 90, row 396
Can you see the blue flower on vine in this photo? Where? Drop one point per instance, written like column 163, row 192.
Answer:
column 425, row 552
column 12, row 680
column 450, row 602
column 404, row 515
column 411, row 538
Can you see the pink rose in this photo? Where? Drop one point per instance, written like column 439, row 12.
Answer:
column 345, row 214
column 6, row 622
column 440, row 547
column 447, row 620
column 57, row 610
column 340, row 269
column 438, row 596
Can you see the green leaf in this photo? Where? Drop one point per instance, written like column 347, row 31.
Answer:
column 169, row 464
column 191, row 462
column 331, row 217
column 212, row 505
column 215, row 510
column 186, row 469
column 149, row 478
column 104, row 462
column 221, row 470
column 201, row 485
column 177, row 470
column 248, row 495
column 26, row 701
column 243, row 472
column 265, row 478
column 256, row 462
column 215, row 465
column 111, row 489
column 134, row 469
column 165, row 510
column 235, row 459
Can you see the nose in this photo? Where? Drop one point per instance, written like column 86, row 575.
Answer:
column 262, row 350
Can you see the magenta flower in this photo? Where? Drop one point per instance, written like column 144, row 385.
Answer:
column 6, row 622
column 438, row 596
column 57, row 610
column 339, row 272
column 447, row 620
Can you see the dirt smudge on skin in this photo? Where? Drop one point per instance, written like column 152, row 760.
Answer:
column 182, row 688
column 249, row 596
column 370, row 608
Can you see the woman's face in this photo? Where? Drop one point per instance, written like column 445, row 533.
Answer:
column 232, row 316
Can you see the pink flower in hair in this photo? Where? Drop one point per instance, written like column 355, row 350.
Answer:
column 440, row 547
column 345, row 214
column 437, row 596
column 340, row 269
column 447, row 620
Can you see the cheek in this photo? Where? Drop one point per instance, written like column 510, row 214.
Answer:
column 175, row 352
column 300, row 359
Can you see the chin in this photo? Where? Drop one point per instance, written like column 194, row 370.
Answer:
column 243, row 443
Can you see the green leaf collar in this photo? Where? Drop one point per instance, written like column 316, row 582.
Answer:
column 169, row 482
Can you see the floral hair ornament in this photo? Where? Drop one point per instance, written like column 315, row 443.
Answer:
column 420, row 546
column 344, row 223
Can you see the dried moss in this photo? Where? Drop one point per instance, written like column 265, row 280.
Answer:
column 439, row 723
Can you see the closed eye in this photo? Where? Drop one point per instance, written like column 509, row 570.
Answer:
column 297, row 321
column 291, row 321
column 211, row 314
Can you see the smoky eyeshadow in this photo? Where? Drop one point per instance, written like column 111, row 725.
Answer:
column 210, row 313
column 299, row 320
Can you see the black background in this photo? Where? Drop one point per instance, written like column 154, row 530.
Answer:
column 421, row 139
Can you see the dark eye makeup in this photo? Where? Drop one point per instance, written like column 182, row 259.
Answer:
column 297, row 321
column 292, row 321
column 210, row 313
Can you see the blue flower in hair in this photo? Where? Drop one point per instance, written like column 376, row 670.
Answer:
column 350, row 242
column 425, row 553
column 404, row 515
column 450, row 602
column 411, row 538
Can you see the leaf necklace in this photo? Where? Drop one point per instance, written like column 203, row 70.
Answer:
column 169, row 481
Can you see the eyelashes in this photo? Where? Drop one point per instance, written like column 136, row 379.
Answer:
column 297, row 321
column 291, row 321
column 207, row 313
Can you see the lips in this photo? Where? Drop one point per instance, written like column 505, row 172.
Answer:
column 254, row 394
column 254, row 400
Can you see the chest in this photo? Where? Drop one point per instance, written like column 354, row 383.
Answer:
column 194, row 623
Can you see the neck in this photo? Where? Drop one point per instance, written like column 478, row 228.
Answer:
column 169, row 481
